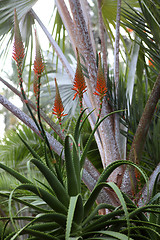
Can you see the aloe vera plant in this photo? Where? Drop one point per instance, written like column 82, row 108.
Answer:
column 60, row 212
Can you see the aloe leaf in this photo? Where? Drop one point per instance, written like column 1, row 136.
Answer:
column 25, row 203
column 15, row 174
column 122, row 201
column 40, row 235
column 111, row 167
column 116, row 235
column 151, row 231
column 79, row 211
column 46, row 187
column 72, row 206
column 34, row 154
column 37, row 234
column 103, row 177
column 95, row 211
column 72, row 184
column 147, row 208
column 84, row 120
column 120, row 197
column 77, row 127
column 52, row 217
column 52, row 201
column 76, row 160
column 44, row 227
column 100, row 223
column 55, row 184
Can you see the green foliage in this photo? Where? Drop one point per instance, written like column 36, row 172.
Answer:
column 145, row 22
column 52, row 203
column 60, row 212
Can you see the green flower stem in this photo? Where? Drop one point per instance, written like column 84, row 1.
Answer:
column 39, row 119
column 19, row 70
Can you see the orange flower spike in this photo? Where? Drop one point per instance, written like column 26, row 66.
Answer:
column 79, row 84
column 101, row 85
column 18, row 48
column 58, row 106
column 101, row 82
column 38, row 63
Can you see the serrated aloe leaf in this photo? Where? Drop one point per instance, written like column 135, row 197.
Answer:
column 34, row 154
column 53, row 181
column 44, row 226
column 72, row 184
column 150, row 232
column 111, row 167
column 100, row 223
column 38, row 209
column 77, row 127
column 52, row 201
column 15, row 174
column 122, row 201
column 148, row 208
column 116, row 235
column 70, row 215
column 39, row 234
column 52, row 217
column 118, row 193
column 79, row 211
column 76, row 158
column 95, row 211
column 103, row 177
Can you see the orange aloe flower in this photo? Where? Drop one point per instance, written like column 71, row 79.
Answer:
column 38, row 63
column 79, row 84
column 101, row 83
column 58, row 105
column 18, row 48
column 101, row 89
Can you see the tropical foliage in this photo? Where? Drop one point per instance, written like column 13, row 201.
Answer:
column 120, row 100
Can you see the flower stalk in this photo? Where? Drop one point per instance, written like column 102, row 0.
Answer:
column 18, row 56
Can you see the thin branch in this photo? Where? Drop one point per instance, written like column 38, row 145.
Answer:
column 30, row 123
